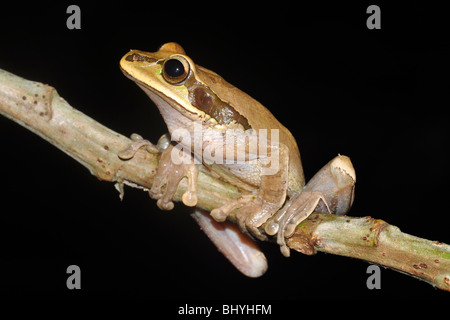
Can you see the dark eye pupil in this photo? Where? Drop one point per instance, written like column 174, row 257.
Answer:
column 174, row 68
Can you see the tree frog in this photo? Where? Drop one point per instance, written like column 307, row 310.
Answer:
column 230, row 135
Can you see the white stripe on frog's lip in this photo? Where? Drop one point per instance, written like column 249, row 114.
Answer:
column 152, row 64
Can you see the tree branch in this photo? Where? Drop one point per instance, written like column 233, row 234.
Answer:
column 39, row 108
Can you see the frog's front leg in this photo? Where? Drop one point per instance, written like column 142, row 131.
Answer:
column 254, row 210
column 168, row 174
column 331, row 190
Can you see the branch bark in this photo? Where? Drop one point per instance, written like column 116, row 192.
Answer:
column 39, row 108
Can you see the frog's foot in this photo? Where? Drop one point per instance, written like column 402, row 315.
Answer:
column 331, row 190
column 168, row 174
column 251, row 213
column 297, row 209
column 168, row 177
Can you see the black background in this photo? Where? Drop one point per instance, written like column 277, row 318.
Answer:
column 378, row 96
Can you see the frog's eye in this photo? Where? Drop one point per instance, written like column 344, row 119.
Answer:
column 176, row 70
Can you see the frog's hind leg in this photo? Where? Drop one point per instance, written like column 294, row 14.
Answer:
column 254, row 210
column 297, row 209
column 236, row 246
column 331, row 190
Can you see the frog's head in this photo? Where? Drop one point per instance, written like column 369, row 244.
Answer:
column 174, row 83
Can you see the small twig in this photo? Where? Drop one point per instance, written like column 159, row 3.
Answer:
column 39, row 108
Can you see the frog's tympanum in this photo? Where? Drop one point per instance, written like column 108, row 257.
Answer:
column 226, row 133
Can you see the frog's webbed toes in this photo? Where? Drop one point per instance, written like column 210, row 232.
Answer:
column 167, row 179
column 221, row 214
column 165, row 204
column 251, row 213
column 168, row 174
column 331, row 190
column 189, row 198
column 295, row 211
